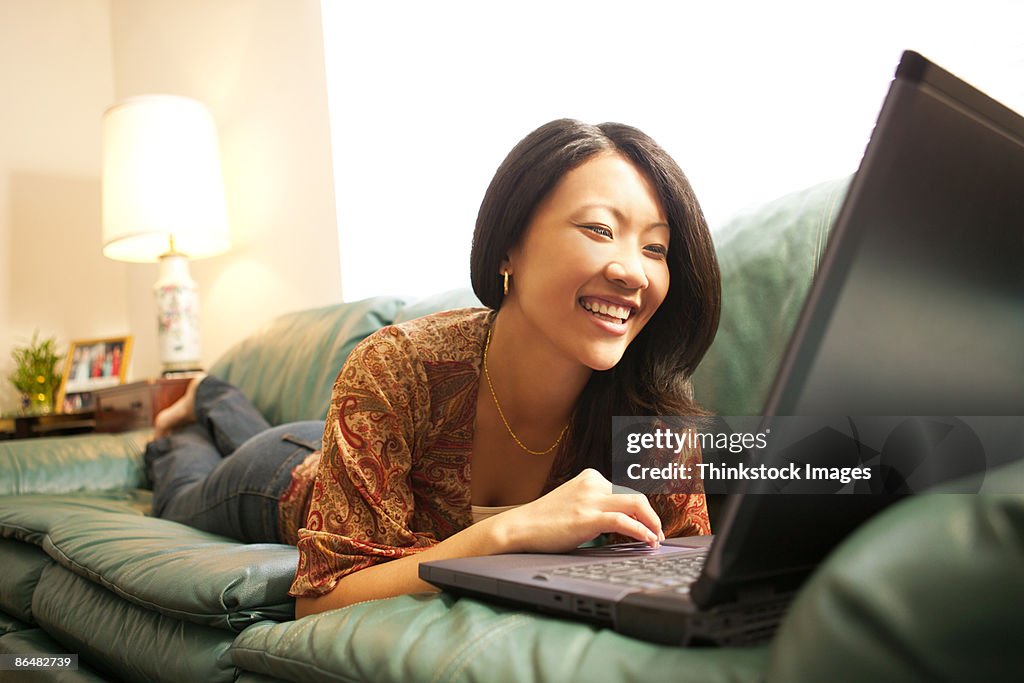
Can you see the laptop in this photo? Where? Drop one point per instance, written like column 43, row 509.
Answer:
column 917, row 309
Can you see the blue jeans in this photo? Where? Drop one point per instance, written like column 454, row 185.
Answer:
column 225, row 473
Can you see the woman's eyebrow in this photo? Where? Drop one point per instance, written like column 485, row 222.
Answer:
column 606, row 207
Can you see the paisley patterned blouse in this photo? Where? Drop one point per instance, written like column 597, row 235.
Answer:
column 394, row 474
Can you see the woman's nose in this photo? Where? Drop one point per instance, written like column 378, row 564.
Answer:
column 627, row 272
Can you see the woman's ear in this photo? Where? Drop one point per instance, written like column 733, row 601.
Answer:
column 505, row 266
column 505, row 270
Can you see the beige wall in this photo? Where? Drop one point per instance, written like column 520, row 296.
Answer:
column 259, row 67
column 56, row 79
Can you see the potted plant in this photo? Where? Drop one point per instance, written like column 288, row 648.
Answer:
column 35, row 374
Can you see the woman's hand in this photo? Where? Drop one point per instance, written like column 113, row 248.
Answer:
column 578, row 511
column 179, row 413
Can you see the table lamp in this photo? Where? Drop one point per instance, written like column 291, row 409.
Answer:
column 163, row 200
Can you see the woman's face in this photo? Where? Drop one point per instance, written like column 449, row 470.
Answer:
column 590, row 270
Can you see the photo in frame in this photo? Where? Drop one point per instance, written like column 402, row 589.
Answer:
column 91, row 365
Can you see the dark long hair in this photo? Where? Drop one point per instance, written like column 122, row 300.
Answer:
column 653, row 376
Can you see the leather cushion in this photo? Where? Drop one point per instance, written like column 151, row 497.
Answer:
column 930, row 590
column 445, row 301
column 22, row 565
column 288, row 369
column 128, row 641
column 768, row 258
column 439, row 638
column 9, row 624
column 35, row 642
column 29, row 518
column 72, row 463
column 161, row 565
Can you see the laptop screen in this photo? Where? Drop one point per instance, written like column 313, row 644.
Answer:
column 918, row 308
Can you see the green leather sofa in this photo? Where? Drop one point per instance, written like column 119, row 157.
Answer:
column 931, row 590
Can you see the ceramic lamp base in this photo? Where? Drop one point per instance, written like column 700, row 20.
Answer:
column 177, row 298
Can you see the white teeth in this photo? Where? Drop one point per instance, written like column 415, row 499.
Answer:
column 620, row 312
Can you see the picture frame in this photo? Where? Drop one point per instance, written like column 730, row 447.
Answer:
column 91, row 365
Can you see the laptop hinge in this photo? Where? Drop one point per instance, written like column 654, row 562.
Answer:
column 707, row 591
column 754, row 593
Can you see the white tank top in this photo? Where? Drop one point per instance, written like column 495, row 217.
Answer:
column 482, row 512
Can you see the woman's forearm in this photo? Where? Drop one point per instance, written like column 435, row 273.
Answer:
column 401, row 576
column 576, row 511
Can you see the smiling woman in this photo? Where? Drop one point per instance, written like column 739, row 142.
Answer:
column 597, row 268
column 597, row 215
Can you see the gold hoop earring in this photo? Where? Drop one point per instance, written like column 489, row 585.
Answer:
column 505, row 287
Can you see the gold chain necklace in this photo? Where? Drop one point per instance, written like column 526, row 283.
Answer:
column 497, row 404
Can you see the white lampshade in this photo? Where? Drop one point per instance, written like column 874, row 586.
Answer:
column 162, row 179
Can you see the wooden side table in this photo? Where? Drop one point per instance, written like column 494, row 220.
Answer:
column 58, row 424
column 135, row 405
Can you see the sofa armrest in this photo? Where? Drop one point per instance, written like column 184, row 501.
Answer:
column 91, row 462
column 929, row 590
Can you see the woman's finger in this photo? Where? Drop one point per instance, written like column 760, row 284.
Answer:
column 620, row 523
column 637, row 506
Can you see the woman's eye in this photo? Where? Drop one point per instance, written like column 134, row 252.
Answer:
column 658, row 249
column 599, row 229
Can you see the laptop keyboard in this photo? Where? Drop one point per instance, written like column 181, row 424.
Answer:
column 676, row 571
